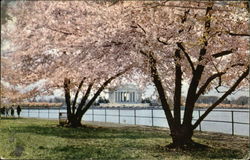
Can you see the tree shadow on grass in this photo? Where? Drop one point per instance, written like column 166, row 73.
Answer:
column 84, row 132
column 210, row 152
column 218, row 153
column 67, row 152
column 92, row 151
column 102, row 152
column 87, row 152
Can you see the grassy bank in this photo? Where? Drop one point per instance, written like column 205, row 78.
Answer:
column 43, row 139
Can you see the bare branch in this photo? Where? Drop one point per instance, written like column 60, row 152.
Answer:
column 60, row 31
column 184, row 18
column 206, row 32
column 84, row 98
column 219, row 85
column 178, row 87
column 238, row 34
column 220, row 81
column 114, row 2
column 159, row 86
column 109, row 44
column 237, row 64
column 141, row 28
column 209, row 80
column 116, row 43
column 186, row 55
column 214, row 76
column 97, row 93
column 163, row 42
column 67, row 95
column 190, row 100
column 145, row 54
column 243, row 76
column 223, row 53
column 76, row 95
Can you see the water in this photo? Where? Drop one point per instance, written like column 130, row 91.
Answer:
column 219, row 120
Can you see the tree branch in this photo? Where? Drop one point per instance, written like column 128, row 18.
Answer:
column 238, row 34
column 237, row 64
column 178, row 86
column 179, row 44
column 209, row 80
column 113, row 2
column 222, row 53
column 159, row 87
column 165, row 43
column 219, row 85
column 206, row 32
column 67, row 95
column 243, row 76
column 116, row 43
column 184, row 18
column 190, row 100
column 57, row 30
column 76, row 95
column 101, row 89
column 214, row 76
column 84, row 98
column 220, row 80
column 145, row 54
column 141, row 28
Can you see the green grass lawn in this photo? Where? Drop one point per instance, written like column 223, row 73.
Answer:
column 43, row 139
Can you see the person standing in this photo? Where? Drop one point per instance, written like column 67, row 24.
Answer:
column 12, row 111
column 18, row 109
column 3, row 111
column 6, row 112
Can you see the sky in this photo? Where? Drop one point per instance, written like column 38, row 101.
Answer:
column 150, row 89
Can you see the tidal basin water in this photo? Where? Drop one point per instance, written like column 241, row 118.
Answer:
column 219, row 120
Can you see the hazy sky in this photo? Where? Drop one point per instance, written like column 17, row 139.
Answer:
column 150, row 89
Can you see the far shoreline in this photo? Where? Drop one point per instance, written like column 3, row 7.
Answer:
column 138, row 108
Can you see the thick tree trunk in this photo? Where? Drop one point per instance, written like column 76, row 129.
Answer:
column 181, row 137
column 74, row 121
column 74, row 118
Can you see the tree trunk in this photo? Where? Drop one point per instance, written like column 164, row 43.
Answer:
column 181, row 137
column 74, row 121
column 74, row 118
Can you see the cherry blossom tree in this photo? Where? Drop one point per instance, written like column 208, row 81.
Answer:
column 12, row 93
column 204, row 44
column 68, row 44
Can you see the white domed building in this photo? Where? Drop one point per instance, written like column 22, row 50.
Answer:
column 128, row 95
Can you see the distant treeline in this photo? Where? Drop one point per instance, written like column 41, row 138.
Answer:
column 32, row 105
column 243, row 100
column 49, row 100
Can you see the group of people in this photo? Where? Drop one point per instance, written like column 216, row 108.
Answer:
column 5, row 111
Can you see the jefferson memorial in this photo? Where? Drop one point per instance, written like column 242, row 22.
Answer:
column 125, row 95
